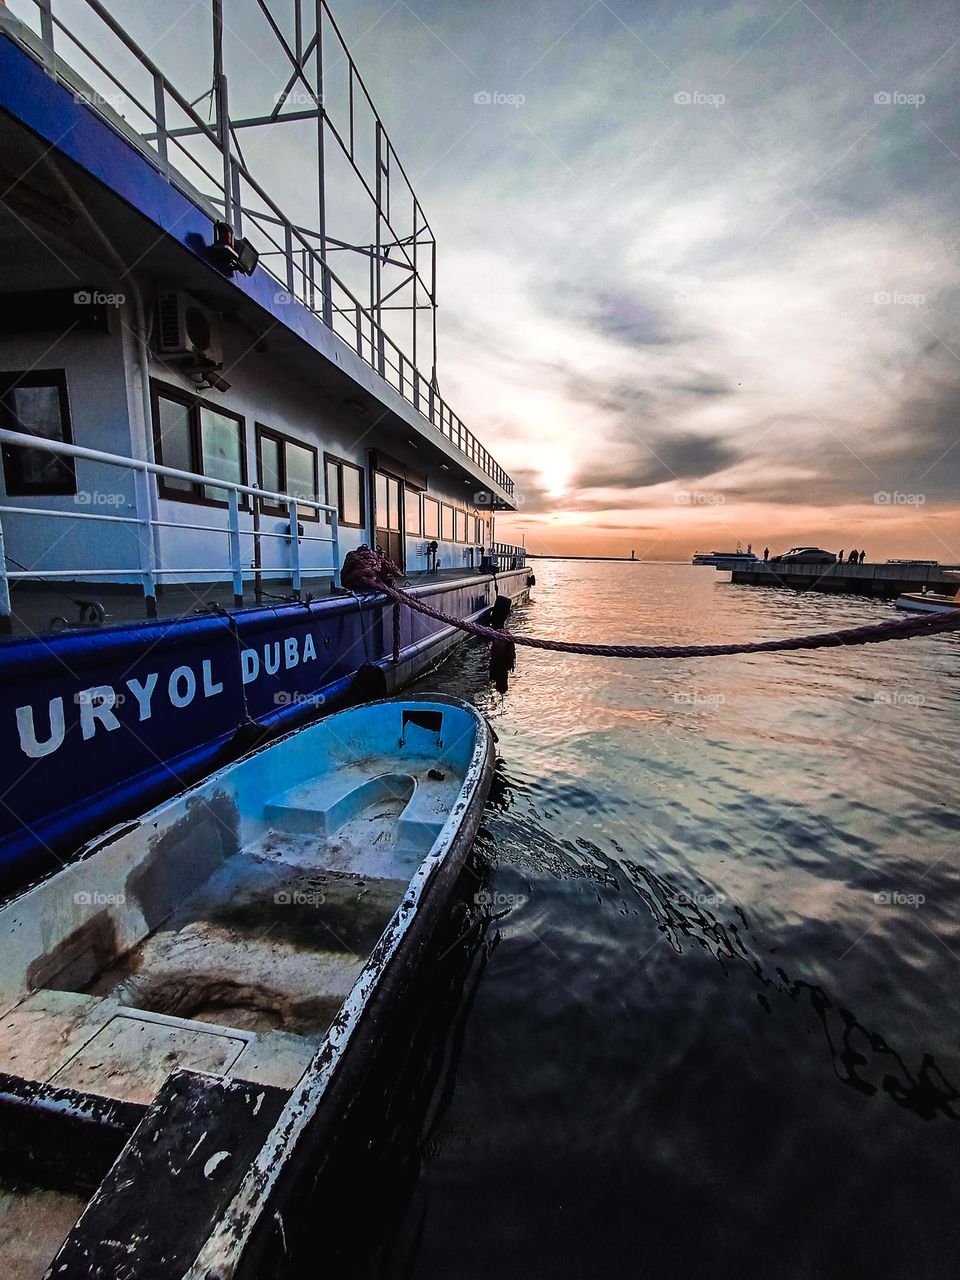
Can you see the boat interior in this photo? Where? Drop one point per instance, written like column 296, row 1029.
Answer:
column 223, row 932
column 227, row 941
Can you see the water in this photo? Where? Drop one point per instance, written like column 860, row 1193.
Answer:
column 717, row 1033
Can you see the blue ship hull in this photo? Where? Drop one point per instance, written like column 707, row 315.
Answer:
column 98, row 726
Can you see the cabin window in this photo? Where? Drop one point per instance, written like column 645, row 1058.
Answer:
column 446, row 522
column 431, row 518
column 36, row 403
column 386, row 492
column 191, row 435
column 462, row 535
column 287, row 466
column 221, row 450
column 345, row 490
column 411, row 512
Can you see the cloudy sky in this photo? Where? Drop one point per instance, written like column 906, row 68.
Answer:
column 698, row 263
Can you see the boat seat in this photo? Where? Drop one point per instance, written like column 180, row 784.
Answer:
column 324, row 805
column 375, row 824
column 423, row 817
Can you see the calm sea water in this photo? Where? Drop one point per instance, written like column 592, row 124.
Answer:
column 717, row 1033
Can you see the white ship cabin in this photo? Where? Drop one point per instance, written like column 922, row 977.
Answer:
column 226, row 396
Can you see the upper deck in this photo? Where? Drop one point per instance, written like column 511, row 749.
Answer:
column 358, row 311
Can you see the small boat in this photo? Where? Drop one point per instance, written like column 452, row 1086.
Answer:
column 719, row 558
column 191, row 1008
column 927, row 602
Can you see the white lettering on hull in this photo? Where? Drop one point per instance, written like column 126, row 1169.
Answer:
column 30, row 744
column 96, row 704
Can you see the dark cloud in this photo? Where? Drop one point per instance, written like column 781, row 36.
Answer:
column 625, row 318
column 666, row 457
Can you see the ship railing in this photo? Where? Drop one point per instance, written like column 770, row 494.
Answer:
column 211, row 171
column 244, row 546
column 508, row 556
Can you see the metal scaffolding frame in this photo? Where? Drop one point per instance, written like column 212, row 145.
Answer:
column 206, row 159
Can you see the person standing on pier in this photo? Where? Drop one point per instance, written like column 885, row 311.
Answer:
column 852, row 557
column 766, row 553
column 840, row 556
column 863, row 556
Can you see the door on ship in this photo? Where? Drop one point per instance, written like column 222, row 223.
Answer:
column 388, row 515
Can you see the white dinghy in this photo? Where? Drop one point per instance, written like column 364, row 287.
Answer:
column 927, row 602
column 189, row 1008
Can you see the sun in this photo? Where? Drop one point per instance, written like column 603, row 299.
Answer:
column 555, row 472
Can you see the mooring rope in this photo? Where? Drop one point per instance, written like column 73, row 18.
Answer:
column 922, row 624
column 368, row 570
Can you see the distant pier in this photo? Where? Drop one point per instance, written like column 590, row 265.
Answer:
column 613, row 559
column 887, row 580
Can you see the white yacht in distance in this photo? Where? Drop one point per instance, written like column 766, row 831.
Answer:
column 715, row 558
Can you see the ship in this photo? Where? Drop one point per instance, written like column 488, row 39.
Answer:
column 724, row 559
column 210, row 393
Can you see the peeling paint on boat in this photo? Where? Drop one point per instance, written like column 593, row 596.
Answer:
column 223, row 1251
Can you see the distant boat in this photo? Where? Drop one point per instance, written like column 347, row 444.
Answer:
column 927, row 602
column 191, row 1008
column 715, row 557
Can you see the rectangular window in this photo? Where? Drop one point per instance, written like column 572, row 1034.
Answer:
column 446, row 522
column 462, row 526
column 191, row 435
column 287, row 466
column 386, row 494
column 36, row 403
column 344, row 490
column 221, row 450
column 393, row 505
column 431, row 518
column 411, row 511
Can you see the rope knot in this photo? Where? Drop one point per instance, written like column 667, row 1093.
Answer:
column 368, row 569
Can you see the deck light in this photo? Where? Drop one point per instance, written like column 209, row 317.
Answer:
column 232, row 253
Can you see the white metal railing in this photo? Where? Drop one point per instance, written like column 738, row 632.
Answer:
column 212, row 170
column 235, row 566
column 509, row 556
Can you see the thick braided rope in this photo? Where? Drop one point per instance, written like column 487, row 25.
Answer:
column 922, row 624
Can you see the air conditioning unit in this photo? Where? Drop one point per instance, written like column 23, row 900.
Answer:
column 187, row 329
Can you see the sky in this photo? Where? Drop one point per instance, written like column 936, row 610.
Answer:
column 698, row 263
